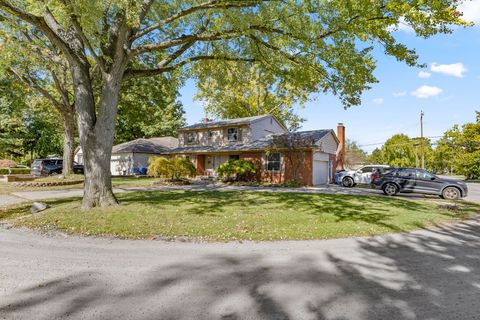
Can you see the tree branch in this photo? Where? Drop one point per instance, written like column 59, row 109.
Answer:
column 32, row 83
column 215, row 4
column 140, row 73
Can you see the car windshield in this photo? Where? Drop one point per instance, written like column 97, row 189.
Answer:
column 37, row 162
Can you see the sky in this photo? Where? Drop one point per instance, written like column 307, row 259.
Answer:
column 447, row 90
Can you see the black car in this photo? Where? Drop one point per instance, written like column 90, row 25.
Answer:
column 412, row 180
column 52, row 166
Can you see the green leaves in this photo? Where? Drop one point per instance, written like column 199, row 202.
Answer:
column 174, row 168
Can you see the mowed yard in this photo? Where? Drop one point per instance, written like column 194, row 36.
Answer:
column 239, row 215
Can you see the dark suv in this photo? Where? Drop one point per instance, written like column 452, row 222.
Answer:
column 412, row 180
column 52, row 166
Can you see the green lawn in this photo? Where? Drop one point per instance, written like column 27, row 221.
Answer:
column 117, row 182
column 236, row 215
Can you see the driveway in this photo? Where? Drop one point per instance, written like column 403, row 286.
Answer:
column 421, row 275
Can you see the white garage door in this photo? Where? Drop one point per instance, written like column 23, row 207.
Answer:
column 320, row 172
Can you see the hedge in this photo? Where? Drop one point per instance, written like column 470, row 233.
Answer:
column 15, row 170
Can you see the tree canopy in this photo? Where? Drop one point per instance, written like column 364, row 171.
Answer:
column 235, row 90
column 322, row 45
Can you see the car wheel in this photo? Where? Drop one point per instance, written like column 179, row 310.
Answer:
column 451, row 193
column 348, row 182
column 390, row 189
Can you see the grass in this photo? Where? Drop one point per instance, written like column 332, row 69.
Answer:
column 234, row 215
column 117, row 182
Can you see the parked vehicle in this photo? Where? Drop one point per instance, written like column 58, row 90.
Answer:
column 413, row 180
column 362, row 175
column 52, row 166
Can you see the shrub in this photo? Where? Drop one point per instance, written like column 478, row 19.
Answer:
column 5, row 163
column 14, row 170
column 174, row 168
column 292, row 183
column 240, row 170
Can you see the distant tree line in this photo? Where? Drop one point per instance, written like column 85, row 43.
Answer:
column 456, row 152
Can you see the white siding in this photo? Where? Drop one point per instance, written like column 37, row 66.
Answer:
column 264, row 127
column 328, row 144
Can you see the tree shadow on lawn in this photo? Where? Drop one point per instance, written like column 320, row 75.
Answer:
column 425, row 275
column 369, row 209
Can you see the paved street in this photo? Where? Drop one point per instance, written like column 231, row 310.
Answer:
column 422, row 275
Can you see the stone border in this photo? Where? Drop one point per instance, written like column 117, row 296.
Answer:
column 46, row 184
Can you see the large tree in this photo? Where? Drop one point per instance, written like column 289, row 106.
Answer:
column 44, row 71
column 323, row 44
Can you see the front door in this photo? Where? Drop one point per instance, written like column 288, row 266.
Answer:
column 209, row 165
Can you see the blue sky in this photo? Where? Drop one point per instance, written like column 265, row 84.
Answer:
column 447, row 90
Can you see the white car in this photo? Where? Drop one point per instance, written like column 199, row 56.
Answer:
column 362, row 175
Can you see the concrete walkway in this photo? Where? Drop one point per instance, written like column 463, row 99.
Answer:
column 421, row 275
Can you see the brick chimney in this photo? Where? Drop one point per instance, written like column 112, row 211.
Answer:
column 341, row 151
column 206, row 120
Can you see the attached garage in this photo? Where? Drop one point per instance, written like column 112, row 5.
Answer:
column 321, row 168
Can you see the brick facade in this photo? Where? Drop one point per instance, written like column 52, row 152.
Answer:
column 296, row 165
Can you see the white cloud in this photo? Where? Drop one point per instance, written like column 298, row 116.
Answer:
column 378, row 100
column 471, row 11
column 427, row 92
column 454, row 69
column 400, row 94
column 404, row 26
column 424, row 74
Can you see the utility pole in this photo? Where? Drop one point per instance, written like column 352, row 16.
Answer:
column 422, row 146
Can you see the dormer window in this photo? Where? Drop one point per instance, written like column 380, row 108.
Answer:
column 232, row 134
column 191, row 137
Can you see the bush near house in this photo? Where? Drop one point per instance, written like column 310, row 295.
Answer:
column 240, row 170
column 174, row 168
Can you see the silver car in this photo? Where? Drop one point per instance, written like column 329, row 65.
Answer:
column 363, row 175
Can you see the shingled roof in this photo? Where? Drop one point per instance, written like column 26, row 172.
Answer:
column 153, row 145
column 227, row 122
column 308, row 137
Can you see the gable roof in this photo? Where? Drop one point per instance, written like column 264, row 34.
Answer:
column 227, row 122
column 153, row 145
column 310, row 137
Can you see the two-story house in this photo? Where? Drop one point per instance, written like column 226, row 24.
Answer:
column 309, row 157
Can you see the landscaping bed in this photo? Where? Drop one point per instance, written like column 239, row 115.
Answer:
column 46, row 183
column 235, row 215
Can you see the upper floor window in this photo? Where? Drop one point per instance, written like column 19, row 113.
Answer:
column 273, row 161
column 191, row 137
column 232, row 134
column 210, row 134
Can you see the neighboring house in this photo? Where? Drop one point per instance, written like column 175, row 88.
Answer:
column 132, row 157
column 310, row 157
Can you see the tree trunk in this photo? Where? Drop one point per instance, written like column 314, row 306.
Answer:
column 68, row 142
column 96, row 135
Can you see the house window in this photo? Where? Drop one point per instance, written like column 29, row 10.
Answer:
column 273, row 161
column 232, row 134
column 191, row 137
column 234, row 157
column 210, row 134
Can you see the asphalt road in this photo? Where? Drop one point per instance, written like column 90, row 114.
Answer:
column 421, row 275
